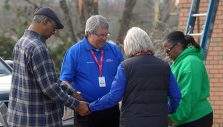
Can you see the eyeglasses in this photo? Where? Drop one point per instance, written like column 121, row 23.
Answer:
column 54, row 25
column 55, row 28
column 102, row 35
column 170, row 49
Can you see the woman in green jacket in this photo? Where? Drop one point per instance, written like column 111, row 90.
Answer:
column 194, row 109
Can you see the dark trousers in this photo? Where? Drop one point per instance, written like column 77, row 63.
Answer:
column 206, row 121
column 103, row 118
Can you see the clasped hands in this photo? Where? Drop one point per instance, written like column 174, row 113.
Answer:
column 82, row 108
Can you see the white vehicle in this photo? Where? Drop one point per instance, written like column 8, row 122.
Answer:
column 5, row 85
column 5, row 80
column 9, row 62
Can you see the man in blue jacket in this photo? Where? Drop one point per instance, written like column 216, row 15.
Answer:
column 91, row 65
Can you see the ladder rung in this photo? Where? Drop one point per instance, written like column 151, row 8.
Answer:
column 201, row 14
column 196, row 34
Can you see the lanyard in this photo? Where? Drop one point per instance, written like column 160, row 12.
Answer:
column 96, row 60
column 142, row 52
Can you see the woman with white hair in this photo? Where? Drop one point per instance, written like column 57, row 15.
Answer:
column 144, row 83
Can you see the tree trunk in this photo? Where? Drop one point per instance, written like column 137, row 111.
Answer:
column 169, row 10
column 86, row 8
column 126, row 19
column 68, row 20
column 157, row 11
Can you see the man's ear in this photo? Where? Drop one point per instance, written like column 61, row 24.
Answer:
column 45, row 21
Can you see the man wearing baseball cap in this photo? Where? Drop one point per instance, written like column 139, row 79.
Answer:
column 48, row 12
column 36, row 98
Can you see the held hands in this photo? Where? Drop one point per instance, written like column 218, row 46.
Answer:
column 83, row 108
column 77, row 95
column 71, row 91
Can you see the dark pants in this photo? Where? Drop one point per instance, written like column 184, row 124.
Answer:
column 103, row 118
column 206, row 121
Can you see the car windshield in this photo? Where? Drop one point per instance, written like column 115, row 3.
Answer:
column 4, row 69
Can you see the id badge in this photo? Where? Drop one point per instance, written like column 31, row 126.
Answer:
column 101, row 81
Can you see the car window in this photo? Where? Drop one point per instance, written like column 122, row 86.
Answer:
column 4, row 70
column 9, row 62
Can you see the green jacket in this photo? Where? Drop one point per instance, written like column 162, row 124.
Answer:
column 191, row 75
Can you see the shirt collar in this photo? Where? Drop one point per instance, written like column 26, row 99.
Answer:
column 35, row 34
column 88, row 46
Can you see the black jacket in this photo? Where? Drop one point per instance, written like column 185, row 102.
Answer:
column 145, row 100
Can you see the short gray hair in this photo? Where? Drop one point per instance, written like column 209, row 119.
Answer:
column 94, row 22
column 38, row 18
column 137, row 40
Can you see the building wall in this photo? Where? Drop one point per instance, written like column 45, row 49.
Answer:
column 214, row 63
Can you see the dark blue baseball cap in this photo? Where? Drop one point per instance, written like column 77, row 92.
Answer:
column 48, row 12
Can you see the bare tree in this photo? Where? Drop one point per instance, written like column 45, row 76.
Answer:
column 163, row 13
column 126, row 19
column 32, row 3
column 85, row 9
column 157, row 11
column 68, row 19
